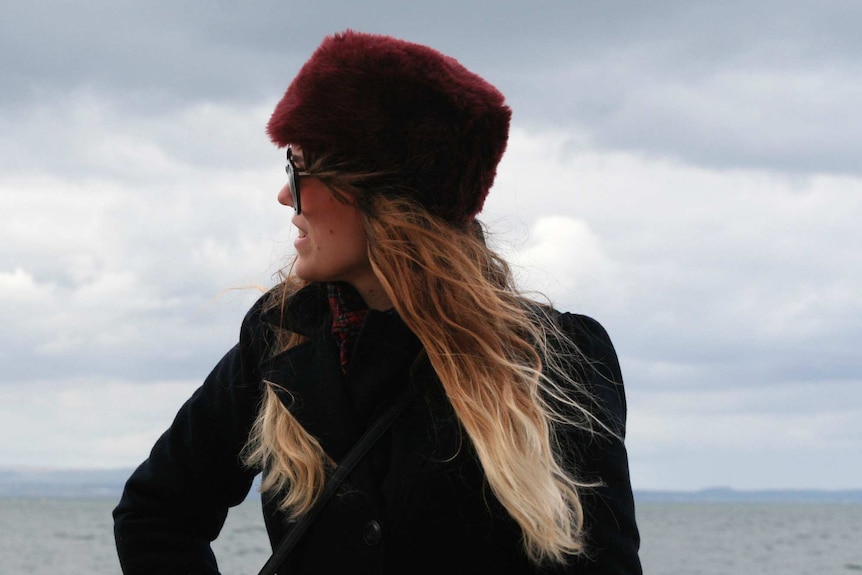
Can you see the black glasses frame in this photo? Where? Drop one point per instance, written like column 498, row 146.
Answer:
column 293, row 173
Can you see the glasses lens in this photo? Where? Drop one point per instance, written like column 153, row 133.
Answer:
column 292, row 181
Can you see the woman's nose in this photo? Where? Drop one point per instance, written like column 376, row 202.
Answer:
column 284, row 197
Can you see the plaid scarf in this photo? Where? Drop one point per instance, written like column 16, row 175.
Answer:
column 348, row 314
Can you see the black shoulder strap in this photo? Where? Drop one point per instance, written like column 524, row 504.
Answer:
column 341, row 472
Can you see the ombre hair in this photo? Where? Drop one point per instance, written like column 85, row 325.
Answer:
column 503, row 362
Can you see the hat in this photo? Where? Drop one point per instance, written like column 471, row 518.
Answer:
column 377, row 104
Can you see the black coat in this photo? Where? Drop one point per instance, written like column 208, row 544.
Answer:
column 417, row 503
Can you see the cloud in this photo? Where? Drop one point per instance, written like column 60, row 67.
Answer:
column 764, row 432
column 718, row 287
column 771, row 85
column 121, row 235
column 744, row 262
column 683, row 172
column 730, row 296
column 86, row 422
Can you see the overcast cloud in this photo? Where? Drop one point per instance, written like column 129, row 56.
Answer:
column 685, row 172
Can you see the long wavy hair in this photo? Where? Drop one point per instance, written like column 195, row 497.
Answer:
column 503, row 363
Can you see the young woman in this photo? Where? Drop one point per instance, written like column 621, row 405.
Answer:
column 507, row 454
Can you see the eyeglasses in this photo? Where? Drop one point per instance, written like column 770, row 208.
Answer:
column 292, row 180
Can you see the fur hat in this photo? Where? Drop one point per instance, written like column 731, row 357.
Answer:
column 376, row 104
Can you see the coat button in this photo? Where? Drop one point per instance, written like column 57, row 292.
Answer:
column 372, row 533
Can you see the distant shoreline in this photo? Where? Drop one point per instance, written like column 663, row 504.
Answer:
column 728, row 495
column 78, row 483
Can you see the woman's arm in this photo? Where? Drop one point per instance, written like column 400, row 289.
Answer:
column 612, row 533
column 175, row 503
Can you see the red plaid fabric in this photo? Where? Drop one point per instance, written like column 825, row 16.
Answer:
column 348, row 313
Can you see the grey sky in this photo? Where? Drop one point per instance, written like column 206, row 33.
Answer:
column 764, row 84
column 685, row 172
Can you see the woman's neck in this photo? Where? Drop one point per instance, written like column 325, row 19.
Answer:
column 374, row 295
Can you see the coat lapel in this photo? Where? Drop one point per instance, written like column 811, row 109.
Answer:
column 336, row 410
column 309, row 382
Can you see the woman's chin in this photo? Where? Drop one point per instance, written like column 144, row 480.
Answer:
column 306, row 272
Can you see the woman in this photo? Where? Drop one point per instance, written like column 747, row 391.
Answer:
column 508, row 454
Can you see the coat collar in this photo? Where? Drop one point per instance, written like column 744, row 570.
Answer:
column 333, row 407
column 303, row 312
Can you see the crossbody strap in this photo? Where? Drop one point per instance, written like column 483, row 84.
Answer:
column 341, row 472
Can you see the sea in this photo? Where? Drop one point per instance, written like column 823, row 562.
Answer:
column 48, row 535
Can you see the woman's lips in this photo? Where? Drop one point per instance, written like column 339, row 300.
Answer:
column 300, row 238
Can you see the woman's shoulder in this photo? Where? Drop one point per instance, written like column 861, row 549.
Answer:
column 259, row 332
column 582, row 326
column 589, row 336
column 299, row 309
column 279, row 311
column 596, row 364
column 257, row 315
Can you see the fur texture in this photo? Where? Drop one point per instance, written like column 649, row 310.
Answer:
column 378, row 105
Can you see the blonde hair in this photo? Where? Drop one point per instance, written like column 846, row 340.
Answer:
column 504, row 365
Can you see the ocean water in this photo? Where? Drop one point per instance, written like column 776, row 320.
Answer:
column 42, row 536
column 55, row 535
column 750, row 538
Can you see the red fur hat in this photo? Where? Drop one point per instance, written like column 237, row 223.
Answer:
column 374, row 103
